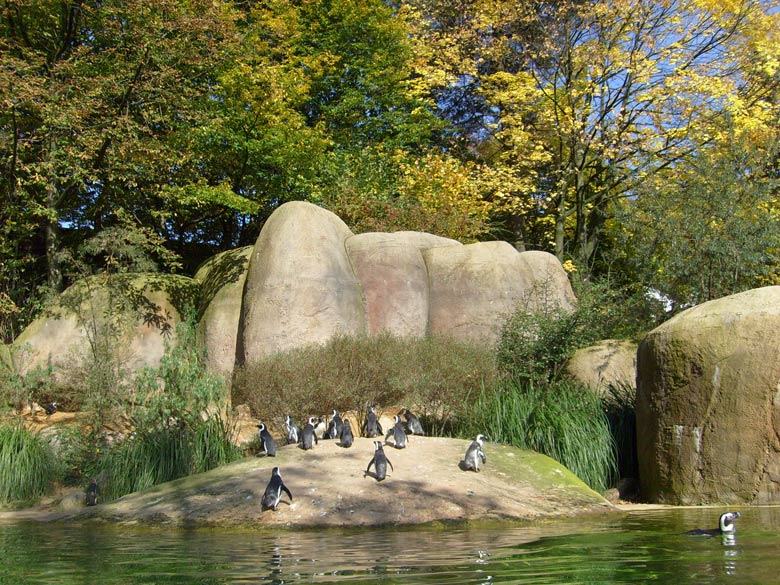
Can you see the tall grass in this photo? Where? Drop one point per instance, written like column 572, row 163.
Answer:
column 155, row 456
column 27, row 464
column 620, row 406
column 563, row 420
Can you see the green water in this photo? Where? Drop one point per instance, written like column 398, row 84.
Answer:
column 638, row 547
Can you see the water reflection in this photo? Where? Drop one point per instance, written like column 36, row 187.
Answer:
column 632, row 548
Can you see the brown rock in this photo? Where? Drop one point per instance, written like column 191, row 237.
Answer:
column 708, row 415
column 609, row 362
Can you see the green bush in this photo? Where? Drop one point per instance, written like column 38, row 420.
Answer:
column 436, row 376
column 27, row 464
column 563, row 420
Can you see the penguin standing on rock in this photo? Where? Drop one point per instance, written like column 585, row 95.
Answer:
column 334, row 426
column 725, row 526
column 413, row 425
column 398, row 432
column 346, row 438
column 273, row 491
column 371, row 426
column 474, row 454
column 267, row 443
column 293, row 430
column 92, row 493
column 379, row 461
column 309, row 436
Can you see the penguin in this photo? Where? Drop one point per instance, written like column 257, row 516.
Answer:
column 346, row 438
column 380, row 462
column 293, row 430
column 51, row 408
column 371, row 426
column 273, row 491
column 267, row 443
column 309, row 436
column 319, row 427
column 91, row 497
column 725, row 526
column 334, row 426
column 413, row 426
column 398, row 432
column 473, row 454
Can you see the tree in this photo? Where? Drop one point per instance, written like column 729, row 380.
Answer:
column 583, row 102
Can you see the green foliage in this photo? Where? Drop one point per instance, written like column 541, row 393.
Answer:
column 563, row 420
column 21, row 390
column 27, row 464
column 177, row 427
column 539, row 338
column 619, row 403
column 435, row 376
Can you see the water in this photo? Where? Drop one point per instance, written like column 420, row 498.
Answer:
column 637, row 547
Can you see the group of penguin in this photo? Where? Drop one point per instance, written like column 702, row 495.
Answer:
column 341, row 429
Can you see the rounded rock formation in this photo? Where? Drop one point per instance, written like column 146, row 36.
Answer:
column 708, row 403
column 611, row 362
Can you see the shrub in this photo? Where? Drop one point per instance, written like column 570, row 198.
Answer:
column 434, row 375
column 563, row 420
column 27, row 463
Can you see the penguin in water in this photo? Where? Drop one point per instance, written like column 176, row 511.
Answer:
column 398, row 432
column 380, row 462
column 413, row 426
column 474, row 454
column 725, row 526
column 91, row 497
column 334, row 426
column 293, row 430
column 371, row 426
column 346, row 438
column 267, row 443
column 309, row 436
column 273, row 491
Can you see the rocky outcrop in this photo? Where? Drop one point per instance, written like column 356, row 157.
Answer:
column 221, row 279
column 708, row 404
column 300, row 287
column 609, row 362
column 425, row 485
column 62, row 336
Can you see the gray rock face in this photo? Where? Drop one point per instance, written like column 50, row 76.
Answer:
column 708, row 406
column 474, row 288
column 394, row 279
column 612, row 361
column 60, row 337
column 300, row 287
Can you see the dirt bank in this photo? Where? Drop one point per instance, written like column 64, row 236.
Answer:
column 330, row 489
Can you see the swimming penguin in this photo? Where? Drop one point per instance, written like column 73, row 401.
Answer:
column 319, row 427
column 413, row 425
column 309, row 436
column 726, row 526
column 334, row 426
column 346, row 438
column 92, row 493
column 293, row 430
column 398, row 432
column 379, row 461
column 371, row 426
column 273, row 491
column 474, row 453
column 267, row 443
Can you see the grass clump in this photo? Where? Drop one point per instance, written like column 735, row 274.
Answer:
column 436, row 376
column 27, row 464
column 564, row 421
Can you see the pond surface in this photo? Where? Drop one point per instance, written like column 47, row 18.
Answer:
column 636, row 547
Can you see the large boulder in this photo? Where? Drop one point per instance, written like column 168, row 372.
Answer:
column 611, row 362
column 300, row 287
column 221, row 279
column 394, row 279
column 475, row 288
column 62, row 336
column 708, row 404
